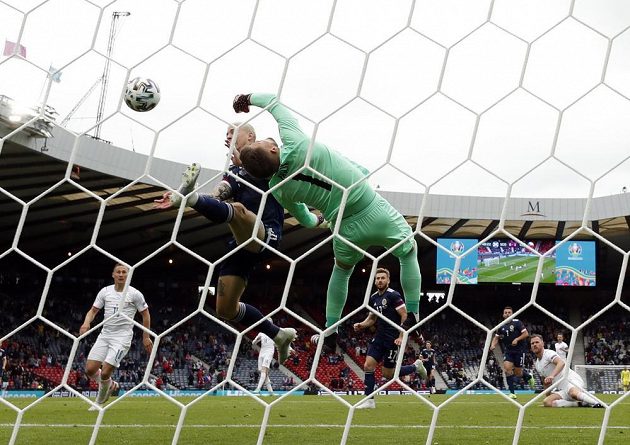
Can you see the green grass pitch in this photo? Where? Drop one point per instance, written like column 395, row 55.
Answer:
column 502, row 273
column 317, row 420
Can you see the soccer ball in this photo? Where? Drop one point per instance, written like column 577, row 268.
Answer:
column 142, row 94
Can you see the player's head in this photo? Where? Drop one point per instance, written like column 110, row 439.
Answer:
column 381, row 279
column 244, row 135
column 536, row 343
column 560, row 337
column 261, row 158
column 507, row 312
column 427, row 344
column 119, row 274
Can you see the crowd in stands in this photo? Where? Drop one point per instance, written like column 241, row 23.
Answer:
column 197, row 354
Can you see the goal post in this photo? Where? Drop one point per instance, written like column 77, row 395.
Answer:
column 604, row 379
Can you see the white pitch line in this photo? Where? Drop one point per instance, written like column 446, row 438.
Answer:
column 472, row 427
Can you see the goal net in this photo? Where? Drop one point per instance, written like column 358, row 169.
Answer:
column 459, row 110
column 602, row 378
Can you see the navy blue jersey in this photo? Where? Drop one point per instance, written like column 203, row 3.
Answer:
column 508, row 332
column 387, row 305
column 273, row 215
column 429, row 354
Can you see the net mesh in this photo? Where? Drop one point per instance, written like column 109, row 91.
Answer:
column 295, row 51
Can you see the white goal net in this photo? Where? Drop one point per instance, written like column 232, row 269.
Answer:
column 506, row 101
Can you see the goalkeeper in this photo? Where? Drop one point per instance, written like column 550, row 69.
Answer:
column 368, row 219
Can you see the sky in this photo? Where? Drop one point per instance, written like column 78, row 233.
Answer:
column 463, row 97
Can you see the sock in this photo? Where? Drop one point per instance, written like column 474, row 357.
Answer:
column 407, row 369
column 103, row 387
column 269, row 387
column 410, row 280
column 248, row 315
column 510, row 381
column 369, row 381
column 432, row 383
column 564, row 404
column 211, row 208
column 526, row 376
column 97, row 376
column 261, row 380
column 337, row 294
column 587, row 398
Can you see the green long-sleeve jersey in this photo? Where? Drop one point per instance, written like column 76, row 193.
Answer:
column 306, row 188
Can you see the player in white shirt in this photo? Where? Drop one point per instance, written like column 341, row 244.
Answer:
column 561, row 347
column 571, row 391
column 114, row 341
column 265, row 356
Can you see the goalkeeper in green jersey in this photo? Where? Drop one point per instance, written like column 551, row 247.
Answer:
column 367, row 220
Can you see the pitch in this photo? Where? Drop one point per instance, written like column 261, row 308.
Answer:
column 470, row 419
column 517, row 269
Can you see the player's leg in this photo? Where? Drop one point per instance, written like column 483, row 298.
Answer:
column 554, row 400
column 242, row 224
column 264, row 371
column 371, row 361
column 95, row 359
column 508, row 367
column 583, row 396
column 389, row 365
column 520, row 371
column 230, row 287
column 392, row 228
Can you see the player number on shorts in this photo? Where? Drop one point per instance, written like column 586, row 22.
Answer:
column 393, row 353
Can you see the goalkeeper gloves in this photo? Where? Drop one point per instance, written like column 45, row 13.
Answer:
column 241, row 103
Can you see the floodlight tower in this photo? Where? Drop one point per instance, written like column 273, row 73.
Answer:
column 116, row 15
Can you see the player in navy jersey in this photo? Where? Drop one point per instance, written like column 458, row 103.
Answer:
column 237, row 204
column 3, row 364
column 385, row 344
column 428, row 359
column 513, row 337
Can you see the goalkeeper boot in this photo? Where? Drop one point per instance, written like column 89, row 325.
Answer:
column 368, row 404
column 330, row 342
column 283, row 343
column 410, row 321
column 189, row 180
column 421, row 370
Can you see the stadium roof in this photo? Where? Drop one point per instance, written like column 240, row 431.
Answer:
column 62, row 220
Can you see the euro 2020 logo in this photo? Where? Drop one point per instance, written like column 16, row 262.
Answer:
column 457, row 247
column 575, row 250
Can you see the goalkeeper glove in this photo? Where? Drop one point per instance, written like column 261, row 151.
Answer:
column 241, row 103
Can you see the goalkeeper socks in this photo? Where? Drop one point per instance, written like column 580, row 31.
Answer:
column 369, row 381
column 587, row 398
column 410, row 280
column 564, row 404
column 211, row 208
column 337, row 294
column 407, row 369
column 510, row 382
column 248, row 315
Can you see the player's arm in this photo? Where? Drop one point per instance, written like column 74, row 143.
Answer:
column 258, row 339
column 89, row 318
column 301, row 212
column 495, row 340
column 523, row 336
column 402, row 311
column 146, row 337
column 290, row 131
column 556, row 371
column 369, row 321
